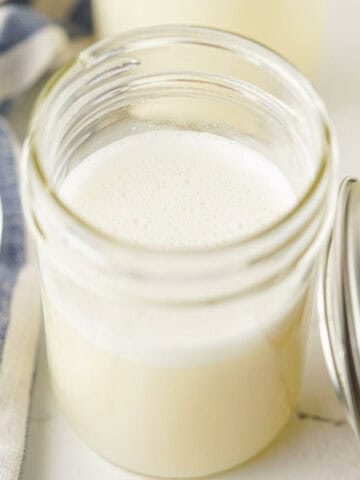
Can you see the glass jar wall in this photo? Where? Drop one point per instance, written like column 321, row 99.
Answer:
column 178, row 362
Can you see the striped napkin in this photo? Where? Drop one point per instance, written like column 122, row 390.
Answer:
column 30, row 44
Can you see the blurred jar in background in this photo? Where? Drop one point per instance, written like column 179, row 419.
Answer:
column 54, row 9
column 294, row 28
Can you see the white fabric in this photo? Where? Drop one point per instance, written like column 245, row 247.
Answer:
column 17, row 371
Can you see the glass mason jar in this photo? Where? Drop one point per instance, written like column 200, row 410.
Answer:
column 215, row 374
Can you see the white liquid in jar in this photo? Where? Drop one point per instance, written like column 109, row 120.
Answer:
column 178, row 189
column 231, row 380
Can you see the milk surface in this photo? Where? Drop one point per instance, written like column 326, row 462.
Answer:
column 178, row 189
column 171, row 190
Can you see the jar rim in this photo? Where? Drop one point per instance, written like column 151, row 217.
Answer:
column 208, row 37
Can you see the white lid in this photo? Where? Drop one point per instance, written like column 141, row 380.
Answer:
column 339, row 301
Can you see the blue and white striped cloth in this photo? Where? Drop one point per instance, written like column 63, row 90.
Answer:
column 30, row 44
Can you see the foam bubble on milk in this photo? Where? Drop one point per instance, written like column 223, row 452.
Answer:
column 178, row 189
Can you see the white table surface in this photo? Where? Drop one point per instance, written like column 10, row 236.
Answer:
column 317, row 441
